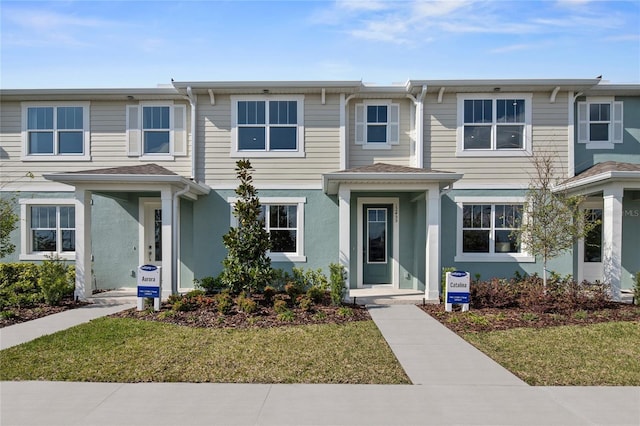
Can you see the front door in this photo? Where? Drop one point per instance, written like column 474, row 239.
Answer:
column 591, row 249
column 378, row 244
column 152, row 233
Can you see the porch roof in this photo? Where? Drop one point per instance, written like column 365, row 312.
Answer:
column 595, row 176
column 131, row 178
column 382, row 173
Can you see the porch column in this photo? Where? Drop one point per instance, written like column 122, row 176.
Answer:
column 83, row 244
column 432, row 274
column 612, row 239
column 344, row 230
column 167, row 242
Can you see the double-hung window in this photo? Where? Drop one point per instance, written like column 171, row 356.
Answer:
column 494, row 125
column 56, row 132
column 284, row 220
column 600, row 123
column 267, row 126
column 377, row 124
column 486, row 230
column 48, row 227
column 156, row 131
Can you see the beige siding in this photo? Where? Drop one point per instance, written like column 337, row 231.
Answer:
column 549, row 134
column 107, row 145
column 322, row 146
column 398, row 154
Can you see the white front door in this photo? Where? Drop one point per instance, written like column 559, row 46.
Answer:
column 152, row 234
column 590, row 267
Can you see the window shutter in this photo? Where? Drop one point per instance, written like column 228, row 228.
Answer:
column 179, row 130
column 393, row 129
column 618, row 128
column 360, row 124
column 583, row 123
column 133, row 130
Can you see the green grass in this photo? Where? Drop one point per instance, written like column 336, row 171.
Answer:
column 604, row 354
column 127, row 350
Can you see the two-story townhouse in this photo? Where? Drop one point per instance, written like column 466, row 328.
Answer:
column 394, row 182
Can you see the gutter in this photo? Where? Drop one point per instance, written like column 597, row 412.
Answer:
column 175, row 246
column 193, row 101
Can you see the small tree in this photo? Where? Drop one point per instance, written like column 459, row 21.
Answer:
column 247, row 266
column 8, row 222
column 553, row 220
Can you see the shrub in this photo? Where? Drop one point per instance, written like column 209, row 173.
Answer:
column 280, row 305
column 246, row 304
column 337, row 279
column 286, row 315
column 269, row 292
column 224, row 302
column 636, row 289
column 184, row 305
column 19, row 285
column 293, row 289
column 316, row 293
column 211, row 285
column 345, row 311
column 305, row 303
column 54, row 281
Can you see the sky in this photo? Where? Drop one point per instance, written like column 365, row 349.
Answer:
column 124, row 44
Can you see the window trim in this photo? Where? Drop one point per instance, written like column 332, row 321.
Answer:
column 25, row 227
column 615, row 125
column 135, row 131
column 527, row 139
column 362, row 125
column 300, row 133
column 522, row 257
column 86, row 132
column 299, row 255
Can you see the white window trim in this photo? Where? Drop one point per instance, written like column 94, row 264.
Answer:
column 522, row 257
column 298, row 152
column 299, row 255
column 391, row 139
column 25, row 227
column 583, row 139
column 163, row 156
column 86, row 133
column 527, row 149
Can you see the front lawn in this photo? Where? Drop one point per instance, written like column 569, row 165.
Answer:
column 130, row 350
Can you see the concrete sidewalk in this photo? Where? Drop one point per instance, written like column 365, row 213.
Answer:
column 453, row 384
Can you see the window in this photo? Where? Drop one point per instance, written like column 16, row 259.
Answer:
column 377, row 124
column 485, row 230
column 156, row 131
column 49, row 226
column 489, row 126
column 267, row 126
column 284, row 220
column 56, row 131
column 600, row 123
column 593, row 240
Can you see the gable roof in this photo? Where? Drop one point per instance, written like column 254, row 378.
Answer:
column 141, row 169
column 605, row 171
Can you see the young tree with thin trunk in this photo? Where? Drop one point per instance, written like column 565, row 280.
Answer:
column 553, row 220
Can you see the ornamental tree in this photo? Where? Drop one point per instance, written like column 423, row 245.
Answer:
column 8, row 223
column 247, row 266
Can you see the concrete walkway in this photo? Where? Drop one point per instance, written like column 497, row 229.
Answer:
column 453, row 384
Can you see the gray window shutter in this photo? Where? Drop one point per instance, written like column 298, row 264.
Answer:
column 618, row 129
column 180, row 130
column 393, row 129
column 133, row 130
column 360, row 124
column 583, row 123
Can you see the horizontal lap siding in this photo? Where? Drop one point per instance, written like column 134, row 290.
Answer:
column 397, row 155
column 549, row 134
column 108, row 145
column 322, row 146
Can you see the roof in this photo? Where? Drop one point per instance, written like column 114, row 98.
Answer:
column 142, row 169
column 605, row 171
column 382, row 173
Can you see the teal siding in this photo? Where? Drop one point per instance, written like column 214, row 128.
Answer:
column 630, row 237
column 627, row 152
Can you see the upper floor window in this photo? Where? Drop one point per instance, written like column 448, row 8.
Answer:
column 377, row 124
column 58, row 131
column 494, row 125
column 48, row 227
column 267, row 126
column 600, row 123
column 156, row 130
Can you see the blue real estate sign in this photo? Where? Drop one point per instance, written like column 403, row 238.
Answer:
column 458, row 284
column 149, row 281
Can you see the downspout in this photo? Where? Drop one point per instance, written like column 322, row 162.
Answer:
column 175, row 244
column 419, row 126
column 193, row 101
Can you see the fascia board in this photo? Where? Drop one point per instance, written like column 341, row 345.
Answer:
column 331, row 181
column 77, row 178
column 599, row 178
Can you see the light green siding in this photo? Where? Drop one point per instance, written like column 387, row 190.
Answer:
column 630, row 237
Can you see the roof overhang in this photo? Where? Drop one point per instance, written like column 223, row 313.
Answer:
column 595, row 183
column 158, row 93
column 129, row 182
column 331, row 182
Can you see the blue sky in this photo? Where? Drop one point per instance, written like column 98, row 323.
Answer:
column 71, row 44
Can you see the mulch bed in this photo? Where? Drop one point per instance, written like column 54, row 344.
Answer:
column 491, row 319
column 19, row 315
